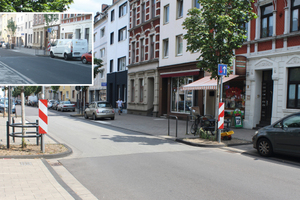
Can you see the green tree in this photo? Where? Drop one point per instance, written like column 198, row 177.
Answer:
column 50, row 20
column 11, row 28
column 97, row 65
column 35, row 5
column 215, row 31
column 54, row 90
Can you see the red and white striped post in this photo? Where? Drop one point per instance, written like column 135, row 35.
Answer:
column 220, row 120
column 49, row 46
column 43, row 120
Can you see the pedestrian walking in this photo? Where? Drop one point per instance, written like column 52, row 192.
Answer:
column 120, row 104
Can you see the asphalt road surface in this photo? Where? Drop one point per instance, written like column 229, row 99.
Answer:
column 19, row 68
column 114, row 163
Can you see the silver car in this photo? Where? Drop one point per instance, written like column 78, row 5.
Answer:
column 99, row 109
column 66, row 105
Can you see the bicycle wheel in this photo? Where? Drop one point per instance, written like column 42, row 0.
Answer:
column 194, row 128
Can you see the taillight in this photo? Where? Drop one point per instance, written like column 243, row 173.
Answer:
column 113, row 111
column 98, row 111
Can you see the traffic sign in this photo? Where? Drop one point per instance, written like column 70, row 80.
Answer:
column 222, row 69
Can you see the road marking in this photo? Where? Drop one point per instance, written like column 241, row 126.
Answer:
column 10, row 72
column 101, row 122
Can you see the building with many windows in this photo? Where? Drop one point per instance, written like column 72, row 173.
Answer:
column 272, row 57
column 117, row 51
column 144, row 53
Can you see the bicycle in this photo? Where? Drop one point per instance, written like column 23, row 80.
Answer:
column 194, row 127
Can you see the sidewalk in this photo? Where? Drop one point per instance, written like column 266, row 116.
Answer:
column 29, row 51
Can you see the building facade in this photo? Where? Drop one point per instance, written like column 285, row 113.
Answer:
column 144, row 52
column 177, row 67
column 98, row 90
column 117, row 51
column 273, row 62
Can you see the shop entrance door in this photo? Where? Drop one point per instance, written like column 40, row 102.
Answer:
column 266, row 98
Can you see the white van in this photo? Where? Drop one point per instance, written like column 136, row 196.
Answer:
column 68, row 48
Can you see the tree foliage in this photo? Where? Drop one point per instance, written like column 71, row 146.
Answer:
column 50, row 20
column 55, row 89
column 11, row 27
column 97, row 65
column 35, row 5
column 28, row 90
column 215, row 30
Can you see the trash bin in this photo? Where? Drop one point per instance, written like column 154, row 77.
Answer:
column 12, row 46
column 238, row 120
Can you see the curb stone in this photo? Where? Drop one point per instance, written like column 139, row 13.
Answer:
column 48, row 156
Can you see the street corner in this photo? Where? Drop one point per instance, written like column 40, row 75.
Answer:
column 31, row 151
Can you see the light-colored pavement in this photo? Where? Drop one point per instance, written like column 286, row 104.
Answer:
column 41, row 179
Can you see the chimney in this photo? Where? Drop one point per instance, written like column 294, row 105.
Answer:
column 104, row 6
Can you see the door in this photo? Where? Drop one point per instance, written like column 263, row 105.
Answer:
column 266, row 98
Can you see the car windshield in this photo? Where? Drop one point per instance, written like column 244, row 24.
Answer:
column 66, row 102
column 104, row 105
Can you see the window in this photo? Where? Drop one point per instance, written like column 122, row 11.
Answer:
column 267, row 21
column 95, row 37
column 295, row 15
column 179, row 45
column 28, row 24
column 73, row 94
column 112, row 15
column 133, row 52
column 65, row 16
column 87, row 34
column 179, row 8
column 143, row 12
column 166, row 14
column 142, row 49
column 102, row 52
column 122, row 64
column 153, row 8
column 293, row 97
column 111, row 66
column 196, row 4
column 102, row 32
column 166, row 48
column 132, row 90
column 133, row 17
column 181, row 100
column 151, row 46
column 122, row 34
column 112, row 38
column 72, row 15
column 25, row 25
column 123, row 9
column 141, row 90
column 67, row 94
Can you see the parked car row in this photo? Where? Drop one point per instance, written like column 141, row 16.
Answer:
column 4, row 105
column 61, row 105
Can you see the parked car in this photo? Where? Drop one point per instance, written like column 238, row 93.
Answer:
column 1, row 42
column 65, row 105
column 86, row 57
column 68, row 48
column 281, row 137
column 99, row 109
column 50, row 103
column 4, row 105
column 54, row 105
column 5, row 45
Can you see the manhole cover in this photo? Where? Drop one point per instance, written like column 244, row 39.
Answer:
column 25, row 163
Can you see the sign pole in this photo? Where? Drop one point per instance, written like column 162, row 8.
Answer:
column 222, row 70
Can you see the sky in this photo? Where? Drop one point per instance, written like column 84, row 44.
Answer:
column 88, row 5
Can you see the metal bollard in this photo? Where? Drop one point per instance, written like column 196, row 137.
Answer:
column 13, row 129
column 7, row 134
column 37, row 132
column 169, row 124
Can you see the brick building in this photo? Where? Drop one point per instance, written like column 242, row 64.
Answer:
column 272, row 57
column 144, row 34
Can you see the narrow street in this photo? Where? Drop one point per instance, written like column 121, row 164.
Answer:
column 19, row 67
column 114, row 163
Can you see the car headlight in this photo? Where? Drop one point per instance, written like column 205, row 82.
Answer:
column 256, row 132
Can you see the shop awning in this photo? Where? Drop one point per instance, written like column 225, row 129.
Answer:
column 206, row 83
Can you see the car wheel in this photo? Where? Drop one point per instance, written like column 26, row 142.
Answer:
column 112, row 118
column 51, row 54
column 264, row 147
column 66, row 56
column 94, row 116
column 84, row 61
column 86, row 116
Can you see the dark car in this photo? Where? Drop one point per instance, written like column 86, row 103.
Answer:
column 86, row 57
column 281, row 137
column 1, row 42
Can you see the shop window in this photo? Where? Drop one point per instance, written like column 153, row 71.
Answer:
column 267, row 21
column 293, row 97
column 181, row 100
column 295, row 11
column 234, row 94
column 132, row 90
column 141, row 90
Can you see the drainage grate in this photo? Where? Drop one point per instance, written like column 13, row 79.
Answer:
column 56, row 164
column 25, row 163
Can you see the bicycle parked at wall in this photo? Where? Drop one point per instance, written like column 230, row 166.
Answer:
column 206, row 122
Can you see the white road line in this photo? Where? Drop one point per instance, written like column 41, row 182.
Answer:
column 26, row 79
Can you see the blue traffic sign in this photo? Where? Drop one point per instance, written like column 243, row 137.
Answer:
column 222, row 69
